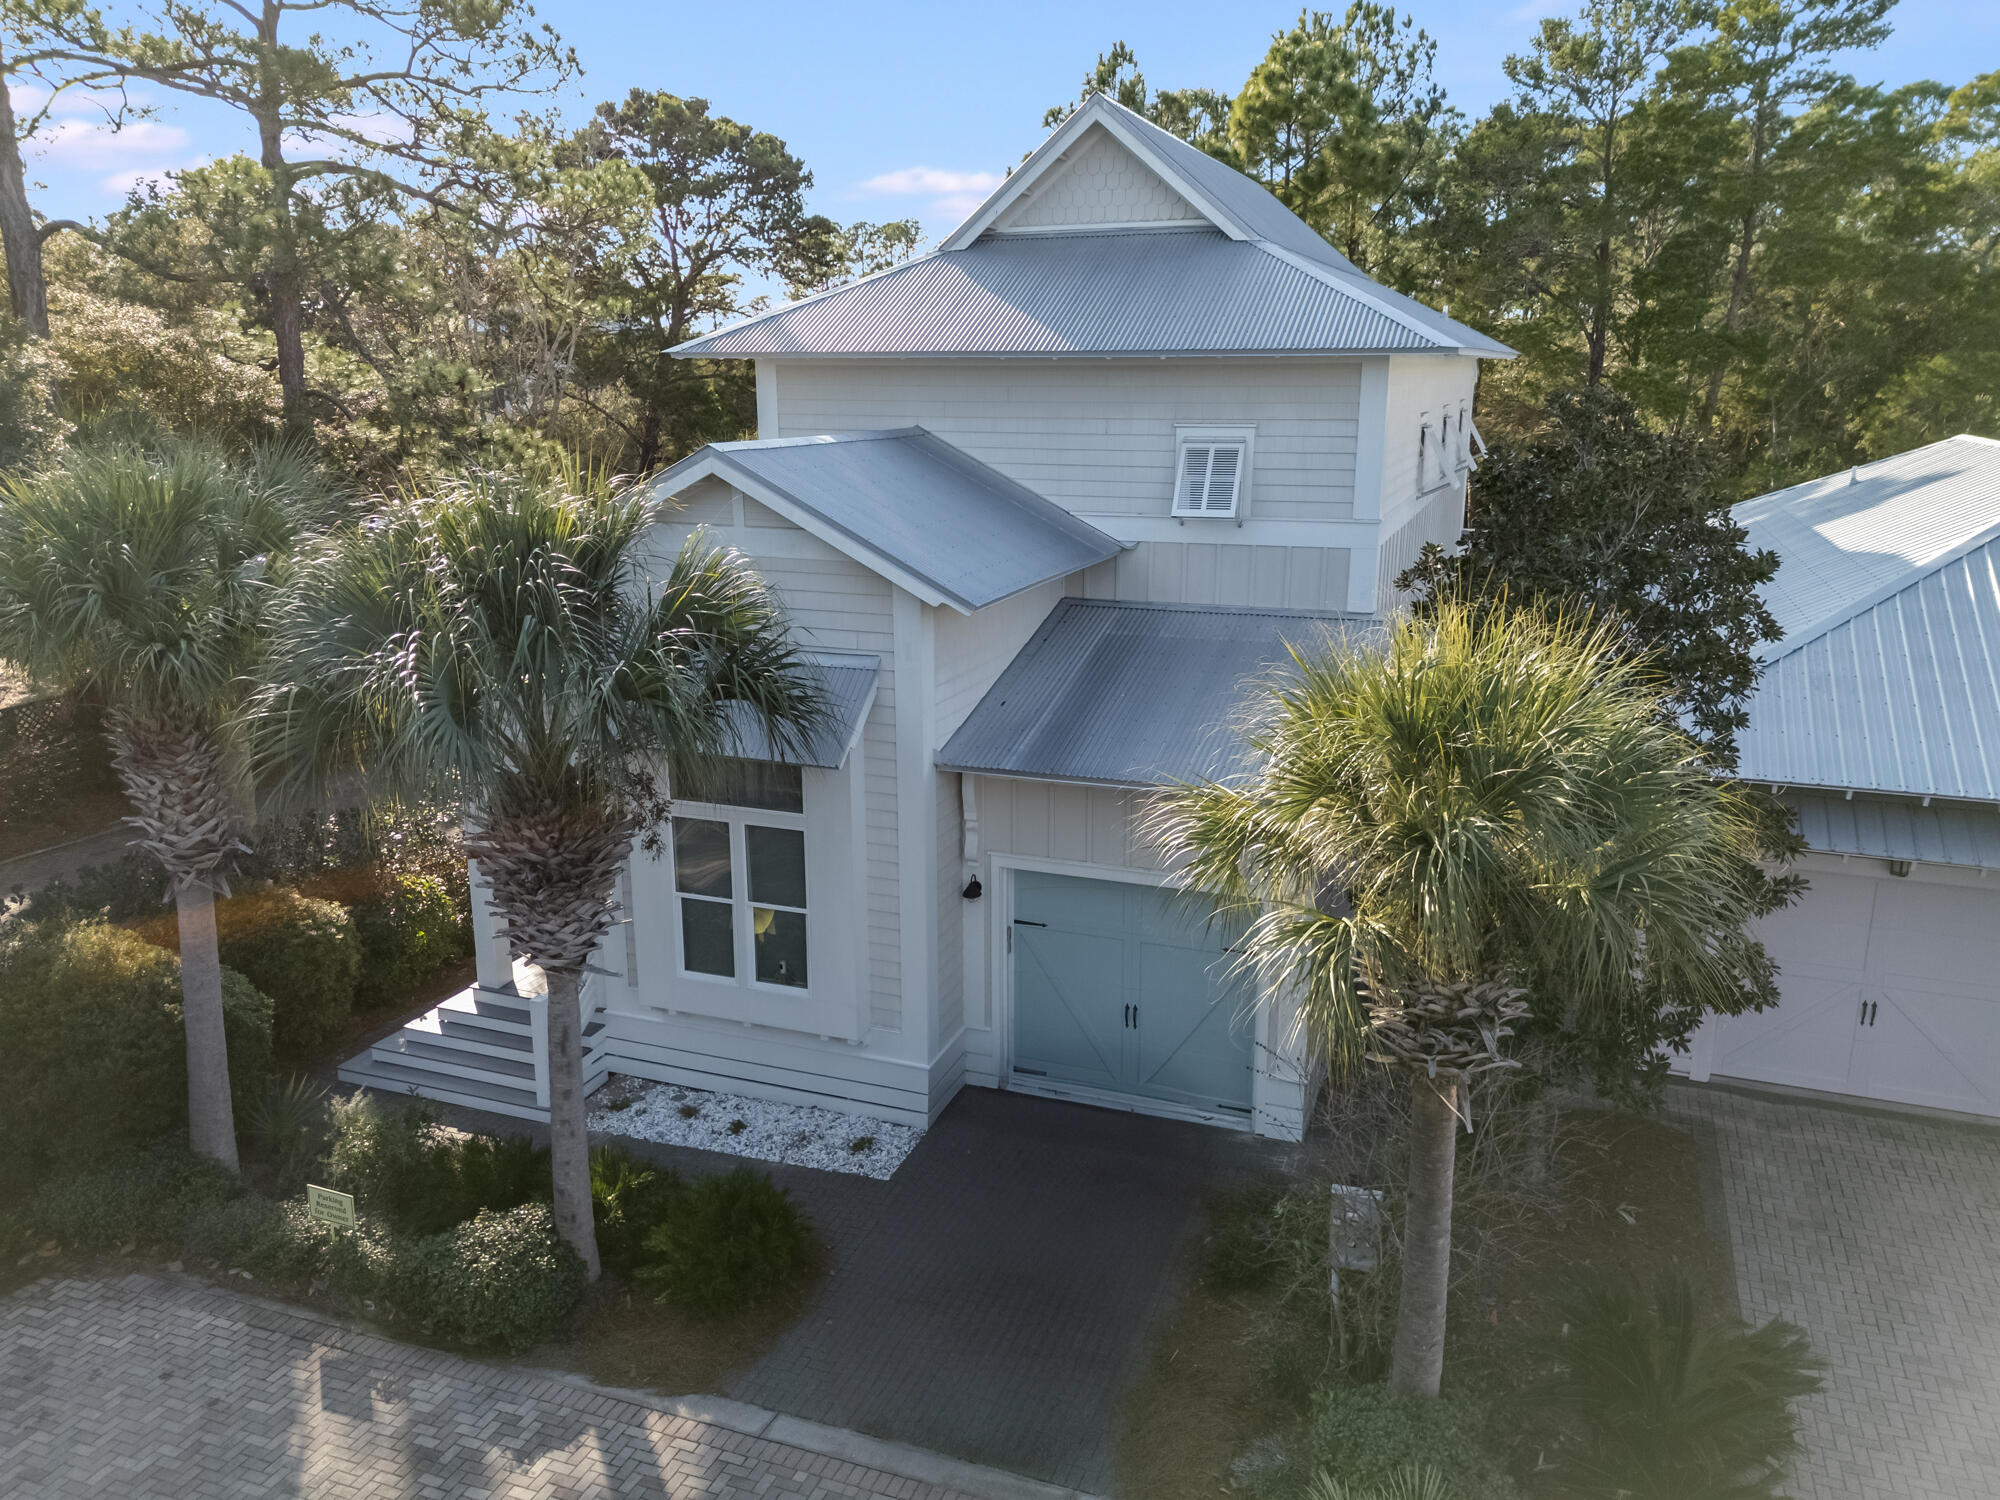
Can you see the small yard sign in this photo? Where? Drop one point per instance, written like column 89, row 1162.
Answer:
column 330, row 1207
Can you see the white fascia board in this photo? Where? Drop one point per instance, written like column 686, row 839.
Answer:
column 1045, row 157
column 721, row 466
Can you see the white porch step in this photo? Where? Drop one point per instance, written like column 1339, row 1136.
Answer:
column 445, row 1088
column 476, row 1048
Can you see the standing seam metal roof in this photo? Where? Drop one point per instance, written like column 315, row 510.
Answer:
column 847, row 681
column 1945, row 833
column 1888, row 678
column 1276, row 288
column 909, row 499
column 1175, row 291
column 1126, row 694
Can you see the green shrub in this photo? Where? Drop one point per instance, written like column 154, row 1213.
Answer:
column 1656, row 1401
column 505, row 1281
column 95, row 1059
column 279, row 1244
column 417, row 1177
column 729, row 1243
column 411, row 931
column 629, row 1199
column 1366, row 1437
column 302, row 953
column 119, row 890
column 146, row 1201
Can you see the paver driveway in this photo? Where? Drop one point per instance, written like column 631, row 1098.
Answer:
column 156, row 1387
column 1880, row 1236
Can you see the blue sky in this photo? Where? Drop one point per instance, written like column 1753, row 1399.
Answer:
column 912, row 109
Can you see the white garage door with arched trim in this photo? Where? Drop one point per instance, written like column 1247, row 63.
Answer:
column 1891, row 991
column 1122, row 994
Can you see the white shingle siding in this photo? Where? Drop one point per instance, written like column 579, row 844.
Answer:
column 1101, row 183
column 1097, row 436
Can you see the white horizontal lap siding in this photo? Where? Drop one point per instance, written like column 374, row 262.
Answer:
column 836, row 604
column 1097, row 436
column 1418, row 383
column 950, row 882
column 973, row 650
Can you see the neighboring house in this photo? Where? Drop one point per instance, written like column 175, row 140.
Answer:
column 1045, row 503
column 1878, row 719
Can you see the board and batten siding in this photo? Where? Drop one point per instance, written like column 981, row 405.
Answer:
column 1224, row 573
column 835, row 604
column 1097, row 436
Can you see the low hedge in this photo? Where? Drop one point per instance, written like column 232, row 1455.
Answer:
column 505, row 1280
column 1369, row 1437
column 417, row 1177
column 143, row 1199
column 95, row 1057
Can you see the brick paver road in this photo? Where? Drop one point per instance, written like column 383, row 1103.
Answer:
column 1880, row 1236
column 153, row 1387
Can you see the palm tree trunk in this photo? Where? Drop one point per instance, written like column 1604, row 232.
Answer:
column 211, row 1115
column 1417, row 1362
column 569, row 1136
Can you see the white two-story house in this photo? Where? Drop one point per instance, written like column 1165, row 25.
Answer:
column 1044, row 503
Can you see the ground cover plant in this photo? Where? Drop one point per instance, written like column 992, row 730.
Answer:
column 1555, row 1201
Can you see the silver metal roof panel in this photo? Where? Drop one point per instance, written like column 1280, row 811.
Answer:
column 1901, row 697
column 906, row 501
column 1123, row 694
column 1139, row 292
column 847, row 678
column 1945, row 833
column 1852, row 538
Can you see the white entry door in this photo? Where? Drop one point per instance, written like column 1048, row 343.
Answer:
column 1124, row 989
column 1891, row 990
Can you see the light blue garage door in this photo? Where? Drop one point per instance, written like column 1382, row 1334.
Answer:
column 1125, row 988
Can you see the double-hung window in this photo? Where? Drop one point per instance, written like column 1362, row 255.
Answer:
column 740, row 878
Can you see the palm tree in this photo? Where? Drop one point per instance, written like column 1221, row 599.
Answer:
column 497, row 642
column 142, row 578
column 1488, row 806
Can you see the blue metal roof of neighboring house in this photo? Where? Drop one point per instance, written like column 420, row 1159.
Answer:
column 1888, row 677
column 847, row 678
column 1124, row 694
column 1945, row 833
column 1850, row 539
column 911, row 505
column 1256, row 280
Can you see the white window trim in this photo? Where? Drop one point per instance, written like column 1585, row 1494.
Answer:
column 1187, row 435
column 741, row 907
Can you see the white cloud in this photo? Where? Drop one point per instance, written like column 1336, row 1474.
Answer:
column 80, row 146
column 952, row 195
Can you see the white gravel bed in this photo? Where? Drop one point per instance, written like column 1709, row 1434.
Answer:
column 799, row 1135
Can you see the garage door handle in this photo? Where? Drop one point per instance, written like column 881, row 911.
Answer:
column 1024, row 922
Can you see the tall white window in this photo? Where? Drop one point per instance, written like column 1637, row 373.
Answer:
column 1211, row 468
column 740, row 878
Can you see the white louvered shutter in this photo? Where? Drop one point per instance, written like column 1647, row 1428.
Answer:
column 1210, row 479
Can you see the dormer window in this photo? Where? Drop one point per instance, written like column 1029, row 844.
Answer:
column 1212, row 468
